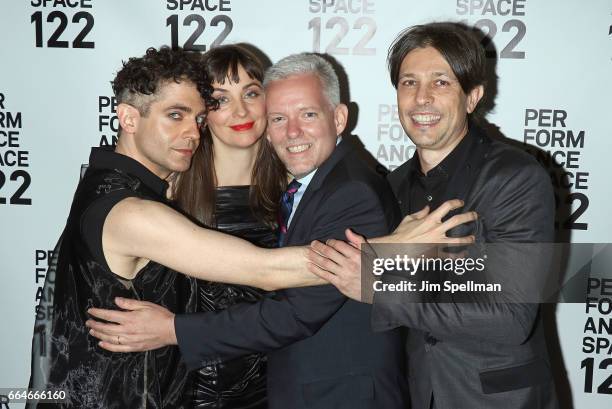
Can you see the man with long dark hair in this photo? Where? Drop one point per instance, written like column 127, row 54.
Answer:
column 461, row 354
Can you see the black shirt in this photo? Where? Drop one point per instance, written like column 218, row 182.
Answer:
column 64, row 355
column 95, row 215
column 429, row 189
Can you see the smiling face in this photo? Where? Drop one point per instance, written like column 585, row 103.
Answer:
column 241, row 118
column 432, row 106
column 303, row 126
column 164, row 140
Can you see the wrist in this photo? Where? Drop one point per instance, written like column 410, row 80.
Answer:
column 171, row 333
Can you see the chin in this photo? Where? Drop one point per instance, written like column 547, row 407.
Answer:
column 181, row 167
column 299, row 172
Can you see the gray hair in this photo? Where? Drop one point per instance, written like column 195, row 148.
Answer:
column 307, row 63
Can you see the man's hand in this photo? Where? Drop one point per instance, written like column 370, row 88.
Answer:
column 142, row 326
column 339, row 263
column 426, row 227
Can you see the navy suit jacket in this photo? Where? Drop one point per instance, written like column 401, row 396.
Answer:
column 322, row 352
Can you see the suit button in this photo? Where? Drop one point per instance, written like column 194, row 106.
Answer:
column 429, row 198
column 431, row 340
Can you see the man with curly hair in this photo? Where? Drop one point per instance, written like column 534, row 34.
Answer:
column 124, row 239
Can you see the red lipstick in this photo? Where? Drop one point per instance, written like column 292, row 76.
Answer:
column 243, row 127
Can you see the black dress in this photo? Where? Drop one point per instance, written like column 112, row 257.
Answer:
column 239, row 383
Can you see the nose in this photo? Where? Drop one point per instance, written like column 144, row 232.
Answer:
column 424, row 95
column 192, row 131
column 293, row 128
column 240, row 109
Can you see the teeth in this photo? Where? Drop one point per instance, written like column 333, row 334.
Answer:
column 298, row 148
column 425, row 118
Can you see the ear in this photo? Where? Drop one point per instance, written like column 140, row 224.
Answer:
column 473, row 97
column 340, row 118
column 129, row 118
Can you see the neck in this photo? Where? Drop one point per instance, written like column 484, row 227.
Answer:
column 430, row 158
column 126, row 148
column 234, row 167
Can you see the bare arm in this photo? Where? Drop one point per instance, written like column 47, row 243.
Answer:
column 138, row 230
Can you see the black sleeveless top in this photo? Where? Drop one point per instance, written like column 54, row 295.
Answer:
column 64, row 355
column 239, row 383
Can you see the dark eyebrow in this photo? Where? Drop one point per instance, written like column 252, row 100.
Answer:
column 245, row 87
column 186, row 109
column 179, row 107
column 406, row 74
column 258, row 85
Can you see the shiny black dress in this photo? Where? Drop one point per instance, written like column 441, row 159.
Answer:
column 239, row 383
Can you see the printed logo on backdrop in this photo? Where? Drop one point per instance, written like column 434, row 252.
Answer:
column 499, row 23
column 597, row 340
column 62, row 23
column 559, row 149
column 42, row 260
column 342, row 27
column 394, row 146
column 108, row 123
column 14, row 160
column 549, row 136
column 198, row 24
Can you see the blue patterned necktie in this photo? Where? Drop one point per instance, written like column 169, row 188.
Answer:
column 286, row 205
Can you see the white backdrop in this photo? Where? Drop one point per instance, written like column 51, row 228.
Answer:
column 553, row 57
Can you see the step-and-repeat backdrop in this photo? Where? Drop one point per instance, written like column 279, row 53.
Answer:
column 553, row 60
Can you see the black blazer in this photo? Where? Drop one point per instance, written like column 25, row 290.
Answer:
column 322, row 352
column 482, row 355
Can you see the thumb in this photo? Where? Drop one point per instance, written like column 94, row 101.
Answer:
column 354, row 239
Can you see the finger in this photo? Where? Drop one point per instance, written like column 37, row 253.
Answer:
column 329, row 251
column 457, row 220
column 445, row 208
column 115, row 348
column 344, row 249
column 112, row 339
column 314, row 243
column 421, row 213
column 319, row 247
column 354, row 238
column 460, row 240
column 321, row 261
column 325, row 275
column 108, row 315
column 108, row 329
column 131, row 304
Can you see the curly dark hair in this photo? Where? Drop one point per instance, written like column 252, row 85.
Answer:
column 137, row 83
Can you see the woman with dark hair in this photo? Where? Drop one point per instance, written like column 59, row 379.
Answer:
column 233, row 185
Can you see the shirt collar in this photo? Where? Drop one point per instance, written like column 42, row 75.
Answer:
column 107, row 158
column 305, row 180
column 450, row 164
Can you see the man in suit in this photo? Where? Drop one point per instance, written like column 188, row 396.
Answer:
column 322, row 351
column 461, row 355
